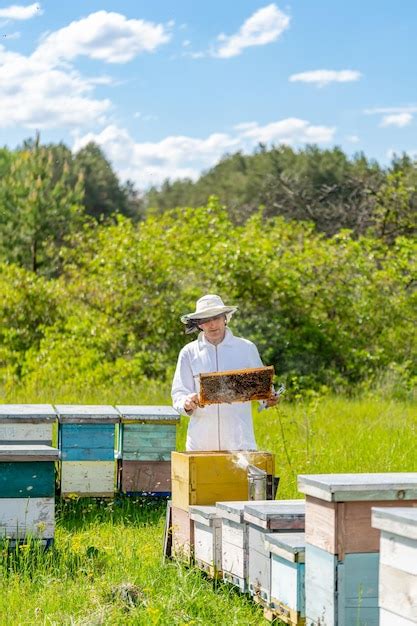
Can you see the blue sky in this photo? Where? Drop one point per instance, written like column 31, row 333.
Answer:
column 166, row 88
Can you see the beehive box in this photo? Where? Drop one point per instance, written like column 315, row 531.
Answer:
column 236, row 385
column 27, row 424
column 209, row 477
column 278, row 516
column 207, row 539
column 27, row 492
column 398, row 565
column 87, row 444
column 234, row 543
column 342, row 548
column 287, row 595
column 182, row 533
column 147, row 436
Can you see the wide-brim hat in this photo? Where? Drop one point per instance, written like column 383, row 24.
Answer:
column 209, row 306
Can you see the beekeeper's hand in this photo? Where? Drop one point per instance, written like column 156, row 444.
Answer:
column 272, row 401
column 191, row 402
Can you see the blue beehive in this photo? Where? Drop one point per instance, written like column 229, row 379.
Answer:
column 147, row 436
column 27, row 492
column 287, row 594
column 87, row 444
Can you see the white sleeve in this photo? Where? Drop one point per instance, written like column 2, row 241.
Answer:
column 183, row 383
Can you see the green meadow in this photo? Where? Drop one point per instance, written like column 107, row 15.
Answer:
column 106, row 565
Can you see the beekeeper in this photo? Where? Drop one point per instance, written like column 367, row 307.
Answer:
column 216, row 426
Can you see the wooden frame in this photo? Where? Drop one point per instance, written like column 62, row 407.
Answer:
column 236, row 385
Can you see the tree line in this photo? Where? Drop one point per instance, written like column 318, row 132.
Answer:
column 94, row 276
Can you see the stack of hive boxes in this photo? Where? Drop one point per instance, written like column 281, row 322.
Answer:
column 27, row 472
column 147, row 436
column 287, row 591
column 87, row 444
column 398, row 565
column 280, row 516
column 27, row 492
column 342, row 548
column 205, row 478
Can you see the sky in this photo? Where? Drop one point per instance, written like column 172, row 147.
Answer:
column 167, row 88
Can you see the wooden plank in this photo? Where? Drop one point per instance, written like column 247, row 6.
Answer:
column 146, row 476
column 234, row 510
column 398, row 592
column 358, row 583
column 276, row 514
column 205, row 515
column 207, row 543
column 87, row 414
column 400, row 486
column 234, row 533
column 21, row 480
column 141, row 413
column 388, row 618
column 145, row 455
column 259, row 568
column 20, row 517
column 236, row 385
column 88, row 478
column 27, row 413
column 27, row 452
column 26, row 433
column 87, row 454
column 354, row 523
column 81, row 436
column 182, row 535
column 398, row 520
column 399, row 552
column 167, row 548
column 321, row 524
column 320, row 585
column 234, row 560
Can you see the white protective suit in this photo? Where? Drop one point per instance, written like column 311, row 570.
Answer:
column 216, row 426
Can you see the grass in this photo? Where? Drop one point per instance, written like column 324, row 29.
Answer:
column 106, row 567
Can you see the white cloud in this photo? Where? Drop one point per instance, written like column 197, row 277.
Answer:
column 291, row 130
column 19, row 12
column 409, row 108
column 352, row 138
column 396, row 119
column 37, row 96
column 44, row 90
column 181, row 156
column 105, row 36
column 263, row 27
column 324, row 77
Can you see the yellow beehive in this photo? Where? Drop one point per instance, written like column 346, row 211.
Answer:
column 210, row 477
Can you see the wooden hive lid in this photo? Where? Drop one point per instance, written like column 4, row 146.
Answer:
column 276, row 513
column 204, row 514
column 87, row 414
column 27, row 413
column 143, row 413
column 236, row 385
column 29, row 452
column 353, row 487
column 234, row 511
column 289, row 546
column 397, row 520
